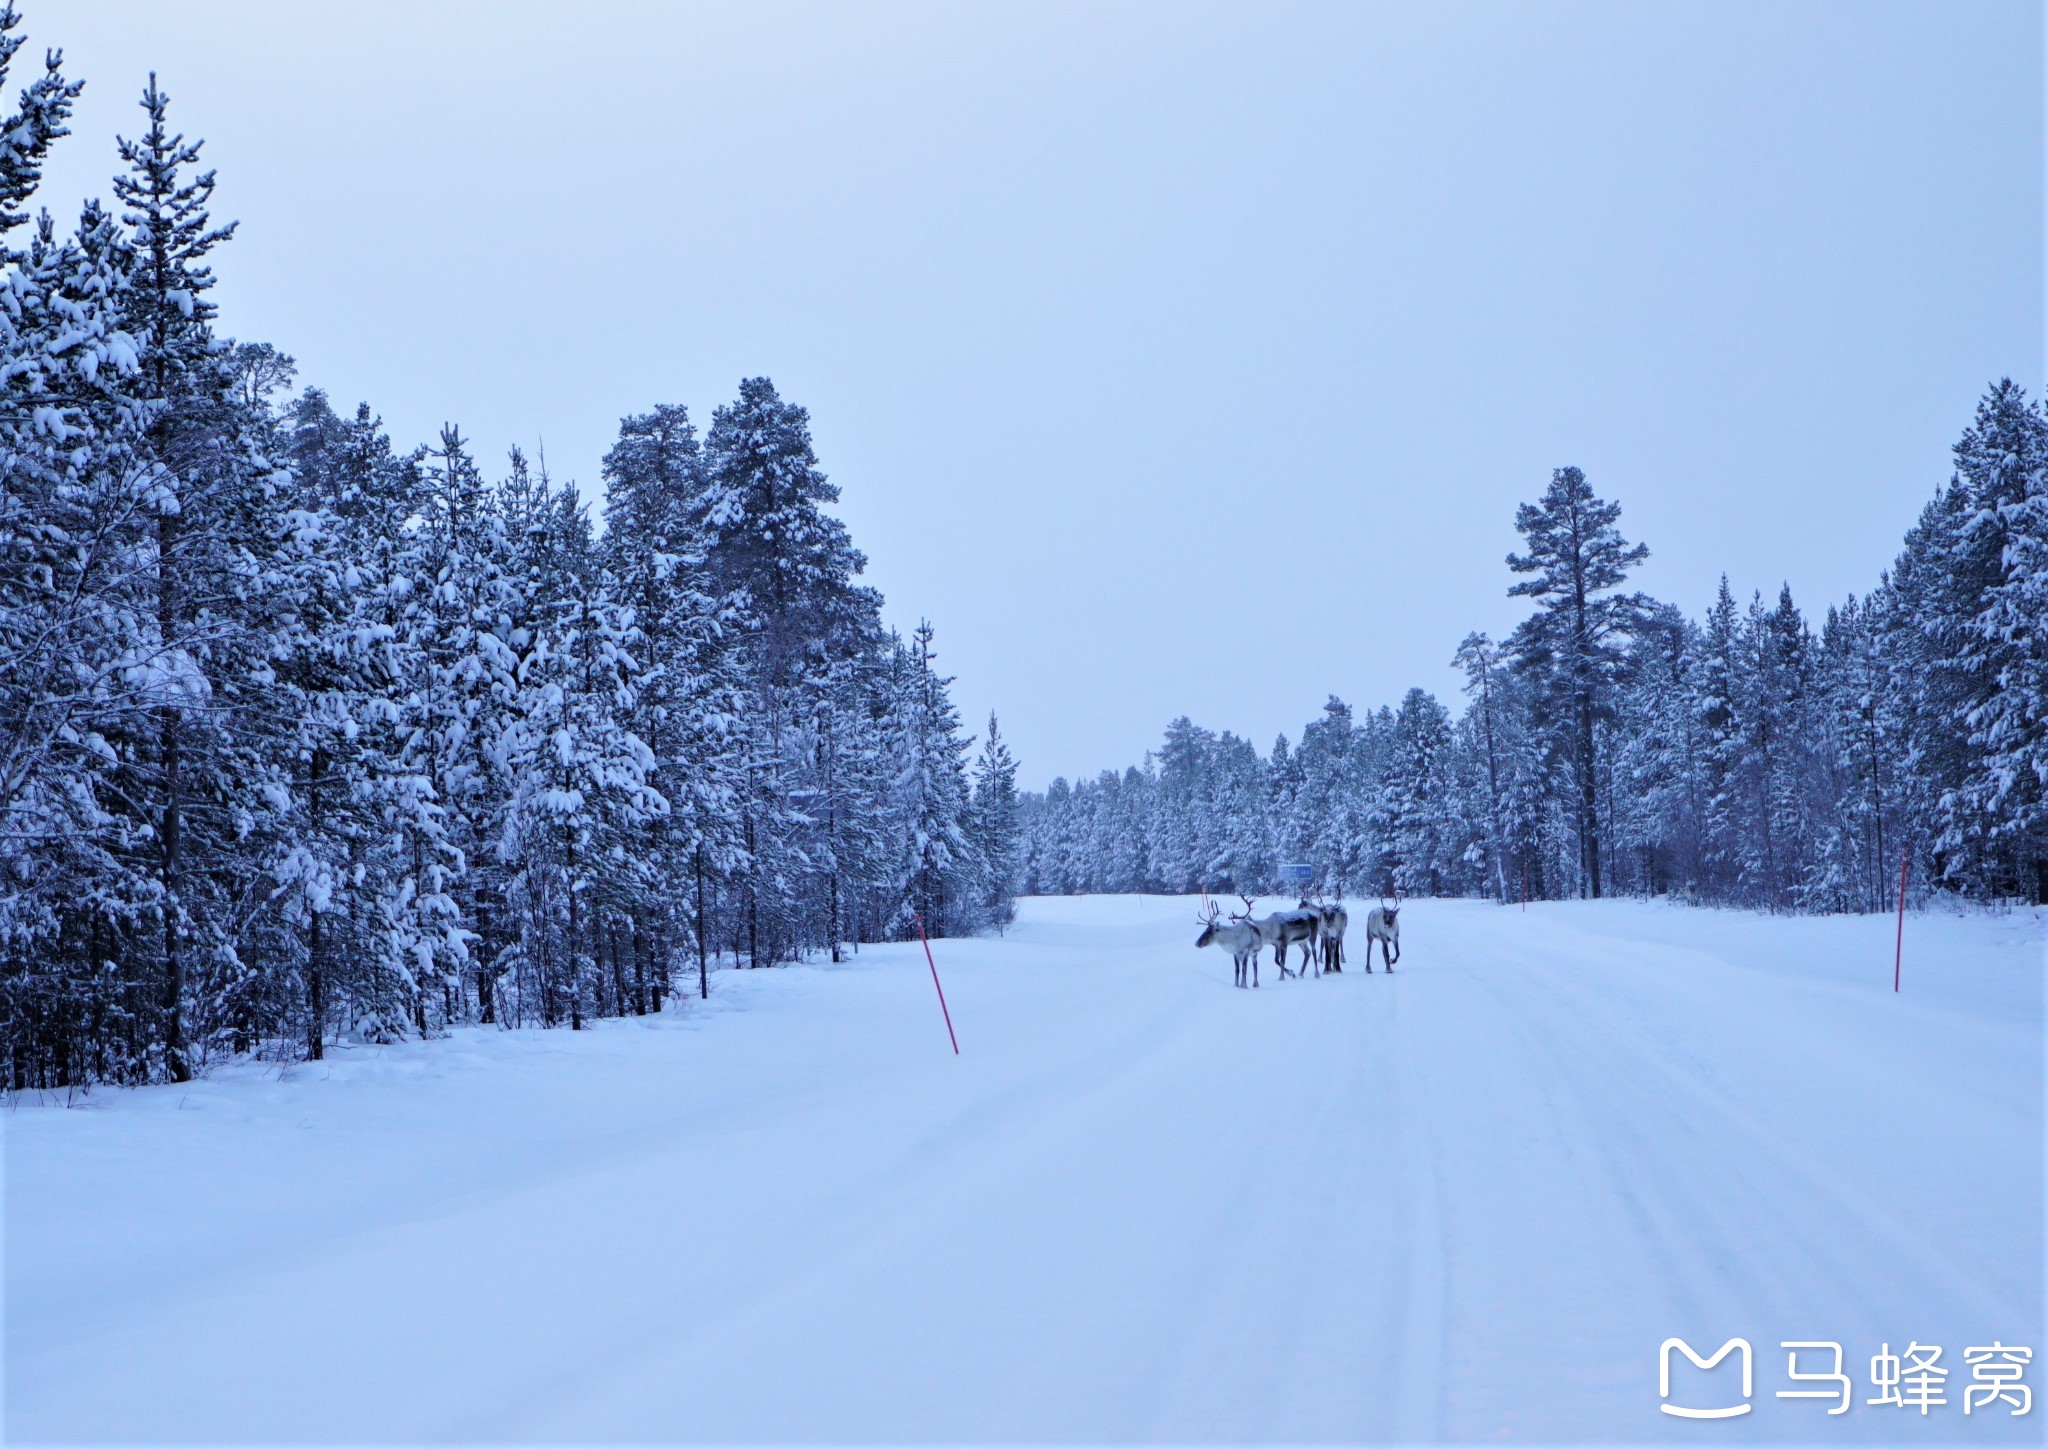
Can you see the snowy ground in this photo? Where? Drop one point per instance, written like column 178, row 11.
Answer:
column 1468, row 1201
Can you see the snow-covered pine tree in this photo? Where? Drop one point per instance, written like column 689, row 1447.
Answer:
column 941, row 872
column 580, row 799
column 690, row 694
column 72, row 621
column 791, row 569
column 232, row 560
column 1998, row 819
column 351, row 781
column 1572, row 643
column 992, row 826
column 1480, row 659
column 1655, row 760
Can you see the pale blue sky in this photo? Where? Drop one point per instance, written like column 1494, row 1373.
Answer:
column 1172, row 358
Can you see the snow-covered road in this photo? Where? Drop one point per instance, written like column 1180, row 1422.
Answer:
column 1468, row 1201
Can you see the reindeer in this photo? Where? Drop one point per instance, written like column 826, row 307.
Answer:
column 1239, row 937
column 1383, row 925
column 1282, row 927
column 1335, row 920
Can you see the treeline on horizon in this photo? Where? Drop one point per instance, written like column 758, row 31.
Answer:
column 1610, row 745
column 304, row 738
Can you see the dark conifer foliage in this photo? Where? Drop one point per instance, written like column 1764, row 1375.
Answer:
column 1612, row 745
column 306, row 738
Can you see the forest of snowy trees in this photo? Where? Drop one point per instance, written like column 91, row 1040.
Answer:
column 307, row 736
column 1611, row 745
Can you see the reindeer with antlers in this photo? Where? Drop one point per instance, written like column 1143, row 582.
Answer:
column 1239, row 936
column 1281, row 928
column 1336, row 920
column 1383, row 925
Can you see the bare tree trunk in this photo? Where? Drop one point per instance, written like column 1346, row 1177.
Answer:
column 639, row 938
column 625, row 1004
column 1884, row 877
column 1589, row 799
column 657, row 948
column 486, row 997
column 316, row 975
column 753, row 900
column 575, row 965
column 703, row 930
column 174, row 960
column 1500, row 864
column 316, row 993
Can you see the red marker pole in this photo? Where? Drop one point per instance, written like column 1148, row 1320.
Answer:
column 935, row 983
column 1899, row 952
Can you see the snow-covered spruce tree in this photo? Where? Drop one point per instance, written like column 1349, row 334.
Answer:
column 1856, row 736
column 463, row 628
column 1333, row 824
column 1786, row 749
column 943, row 876
column 70, row 422
column 1044, row 820
column 232, row 561
column 846, row 794
column 690, row 694
column 580, row 802
column 1116, row 853
column 790, row 569
column 1869, row 736
column 1181, row 844
column 1416, row 796
column 1481, row 661
column 358, row 801
column 1995, row 818
column 1655, row 761
column 1572, row 645
column 1241, row 856
column 992, row 826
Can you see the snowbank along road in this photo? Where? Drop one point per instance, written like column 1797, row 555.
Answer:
column 1467, row 1201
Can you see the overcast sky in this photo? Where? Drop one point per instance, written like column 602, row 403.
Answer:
column 1172, row 358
